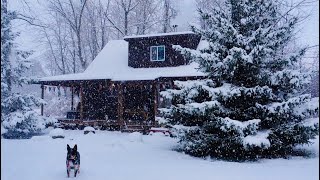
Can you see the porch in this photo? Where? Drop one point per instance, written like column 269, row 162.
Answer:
column 125, row 106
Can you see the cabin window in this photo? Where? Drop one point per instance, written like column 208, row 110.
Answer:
column 157, row 53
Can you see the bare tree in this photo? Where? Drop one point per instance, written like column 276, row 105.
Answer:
column 169, row 13
column 57, row 40
column 119, row 18
column 72, row 12
column 127, row 7
column 96, row 29
column 135, row 16
column 103, row 11
column 72, row 50
column 147, row 13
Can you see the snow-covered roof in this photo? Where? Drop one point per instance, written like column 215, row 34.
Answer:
column 159, row 34
column 112, row 63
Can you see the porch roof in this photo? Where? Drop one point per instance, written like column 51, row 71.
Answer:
column 112, row 64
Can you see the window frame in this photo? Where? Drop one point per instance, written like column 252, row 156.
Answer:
column 157, row 47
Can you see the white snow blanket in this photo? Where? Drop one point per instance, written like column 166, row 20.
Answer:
column 109, row 155
column 135, row 137
column 89, row 128
column 56, row 132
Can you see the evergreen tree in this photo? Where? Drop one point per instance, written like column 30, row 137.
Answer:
column 18, row 118
column 251, row 105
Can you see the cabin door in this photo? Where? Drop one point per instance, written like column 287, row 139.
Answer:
column 138, row 103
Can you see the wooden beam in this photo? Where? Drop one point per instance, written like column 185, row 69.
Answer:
column 42, row 97
column 120, row 105
column 81, row 101
column 72, row 91
column 156, row 96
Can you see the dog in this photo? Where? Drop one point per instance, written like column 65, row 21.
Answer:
column 73, row 160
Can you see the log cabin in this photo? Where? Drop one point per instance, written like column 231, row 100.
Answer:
column 119, row 90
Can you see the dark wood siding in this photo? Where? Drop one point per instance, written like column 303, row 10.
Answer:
column 139, row 50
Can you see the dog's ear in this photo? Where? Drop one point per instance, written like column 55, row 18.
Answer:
column 68, row 148
column 75, row 147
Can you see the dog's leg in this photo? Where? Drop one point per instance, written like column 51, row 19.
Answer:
column 75, row 172
column 68, row 172
column 76, row 168
column 68, row 169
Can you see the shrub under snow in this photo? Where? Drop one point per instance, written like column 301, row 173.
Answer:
column 57, row 133
column 89, row 129
column 19, row 117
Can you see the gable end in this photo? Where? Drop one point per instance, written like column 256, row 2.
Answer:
column 141, row 49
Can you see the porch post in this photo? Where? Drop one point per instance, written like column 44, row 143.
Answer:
column 156, row 89
column 81, row 101
column 71, row 97
column 120, row 105
column 42, row 97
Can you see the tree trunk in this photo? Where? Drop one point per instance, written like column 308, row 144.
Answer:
column 83, row 62
column 166, row 23
column 126, row 23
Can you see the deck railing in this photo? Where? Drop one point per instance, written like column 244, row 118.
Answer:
column 129, row 125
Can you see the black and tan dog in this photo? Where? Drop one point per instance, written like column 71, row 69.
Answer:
column 73, row 160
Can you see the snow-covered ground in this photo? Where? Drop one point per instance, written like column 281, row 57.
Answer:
column 122, row 156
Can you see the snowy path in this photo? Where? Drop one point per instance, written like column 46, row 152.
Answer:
column 120, row 156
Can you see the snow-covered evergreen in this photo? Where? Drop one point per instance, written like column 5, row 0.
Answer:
column 252, row 105
column 18, row 117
